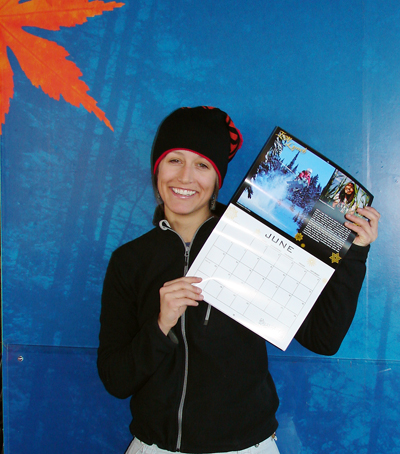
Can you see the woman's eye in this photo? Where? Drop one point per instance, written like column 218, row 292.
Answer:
column 203, row 165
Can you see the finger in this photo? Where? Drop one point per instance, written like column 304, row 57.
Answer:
column 172, row 300
column 368, row 218
column 357, row 219
column 180, row 290
column 184, row 303
column 358, row 225
column 371, row 223
column 371, row 210
column 360, row 230
column 371, row 213
column 365, row 233
column 176, row 296
column 186, row 279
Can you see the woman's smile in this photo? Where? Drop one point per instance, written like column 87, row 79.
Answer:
column 183, row 192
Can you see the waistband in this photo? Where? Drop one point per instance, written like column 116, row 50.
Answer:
column 138, row 447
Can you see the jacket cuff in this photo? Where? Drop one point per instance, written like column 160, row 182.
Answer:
column 358, row 252
column 170, row 340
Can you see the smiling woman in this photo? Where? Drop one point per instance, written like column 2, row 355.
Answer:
column 186, row 182
column 153, row 316
column 199, row 381
column 190, row 157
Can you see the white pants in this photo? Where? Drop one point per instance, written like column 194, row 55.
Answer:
column 267, row 446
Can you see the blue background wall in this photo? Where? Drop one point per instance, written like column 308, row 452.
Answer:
column 327, row 71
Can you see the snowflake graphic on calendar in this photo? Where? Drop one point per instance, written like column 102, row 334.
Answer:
column 231, row 212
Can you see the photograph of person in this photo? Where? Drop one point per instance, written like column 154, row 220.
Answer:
column 345, row 198
column 343, row 194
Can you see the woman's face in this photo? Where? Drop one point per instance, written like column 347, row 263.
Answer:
column 349, row 188
column 186, row 183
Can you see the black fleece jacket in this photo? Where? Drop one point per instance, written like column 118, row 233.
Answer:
column 207, row 388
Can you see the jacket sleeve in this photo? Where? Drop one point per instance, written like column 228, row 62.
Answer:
column 326, row 325
column 128, row 353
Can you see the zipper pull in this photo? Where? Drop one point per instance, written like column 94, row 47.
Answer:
column 207, row 315
column 186, row 260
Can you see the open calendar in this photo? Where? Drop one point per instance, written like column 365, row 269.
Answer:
column 280, row 239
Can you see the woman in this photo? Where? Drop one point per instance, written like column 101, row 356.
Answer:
column 198, row 380
column 345, row 200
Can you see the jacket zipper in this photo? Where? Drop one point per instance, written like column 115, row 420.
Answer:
column 183, row 330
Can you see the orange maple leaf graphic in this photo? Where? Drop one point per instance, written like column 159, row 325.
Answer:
column 44, row 62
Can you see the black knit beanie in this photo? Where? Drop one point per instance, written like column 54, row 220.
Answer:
column 207, row 131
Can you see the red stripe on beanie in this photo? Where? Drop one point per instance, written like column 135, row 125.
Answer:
column 234, row 132
column 236, row 137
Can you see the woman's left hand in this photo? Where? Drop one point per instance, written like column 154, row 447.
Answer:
column 366, row 229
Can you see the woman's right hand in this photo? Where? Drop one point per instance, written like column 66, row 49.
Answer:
column 175, row 297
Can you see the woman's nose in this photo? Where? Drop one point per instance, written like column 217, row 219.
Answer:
column 185, row 175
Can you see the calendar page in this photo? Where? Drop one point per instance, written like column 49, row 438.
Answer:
column 259, row 278
column 280, row 239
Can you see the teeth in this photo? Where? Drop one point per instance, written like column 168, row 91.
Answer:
column 183, row 191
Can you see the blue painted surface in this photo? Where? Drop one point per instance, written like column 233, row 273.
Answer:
column 72, row 191
column 54, row 402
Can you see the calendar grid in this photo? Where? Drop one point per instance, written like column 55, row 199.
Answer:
column 269, row 289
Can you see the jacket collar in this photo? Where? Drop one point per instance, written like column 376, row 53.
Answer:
column 159, row 213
